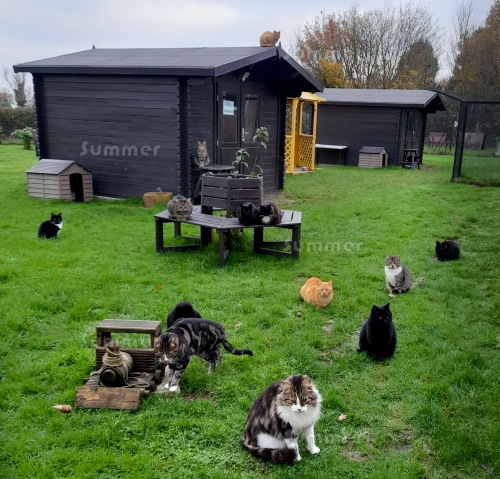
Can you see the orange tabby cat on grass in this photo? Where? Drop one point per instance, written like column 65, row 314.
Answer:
column 317, row 292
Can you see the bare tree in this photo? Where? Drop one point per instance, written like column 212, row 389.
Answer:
column 462, row 27
column 18, row 84
column 367, row 45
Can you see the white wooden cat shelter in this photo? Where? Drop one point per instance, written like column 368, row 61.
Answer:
column 61, row 180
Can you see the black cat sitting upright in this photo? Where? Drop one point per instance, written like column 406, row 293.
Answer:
column 49, row 229
column 378, row 335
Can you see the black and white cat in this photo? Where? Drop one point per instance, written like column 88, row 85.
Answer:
column 188, row 337
column 49, row 229
column 378, row 335
column 284, row 410
column 181, row 310
column 448, row 250
column 270, row 214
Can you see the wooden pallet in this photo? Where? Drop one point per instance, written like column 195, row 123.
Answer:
column 94, row 396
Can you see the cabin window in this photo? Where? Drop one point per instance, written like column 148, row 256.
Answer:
column 307, row 119
column 229, row 118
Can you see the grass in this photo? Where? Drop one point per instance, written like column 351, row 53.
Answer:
column 429, row 412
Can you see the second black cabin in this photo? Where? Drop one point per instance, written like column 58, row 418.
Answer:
column 390, row 119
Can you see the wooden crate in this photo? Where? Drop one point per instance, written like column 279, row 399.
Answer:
column 227, row 192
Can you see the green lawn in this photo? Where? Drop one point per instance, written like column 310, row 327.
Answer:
column 432, row 411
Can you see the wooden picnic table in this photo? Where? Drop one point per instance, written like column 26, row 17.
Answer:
column 222, row 225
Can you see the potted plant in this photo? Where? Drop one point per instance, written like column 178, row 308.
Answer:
column 228, row 192
column 261, row 137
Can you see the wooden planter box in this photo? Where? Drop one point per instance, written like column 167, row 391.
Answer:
column 227, row 192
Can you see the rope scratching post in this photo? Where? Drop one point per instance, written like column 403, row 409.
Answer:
column 116, row 366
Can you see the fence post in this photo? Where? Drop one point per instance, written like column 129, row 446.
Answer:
column 459, row 148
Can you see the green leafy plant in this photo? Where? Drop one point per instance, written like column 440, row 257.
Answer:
column 25, row 136
column 261, row 136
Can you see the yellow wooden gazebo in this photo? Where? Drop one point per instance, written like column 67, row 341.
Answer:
column 300, row 138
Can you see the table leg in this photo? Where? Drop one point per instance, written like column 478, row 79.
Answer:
column 159, row 234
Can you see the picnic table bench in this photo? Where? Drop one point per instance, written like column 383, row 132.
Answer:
column 222, row 225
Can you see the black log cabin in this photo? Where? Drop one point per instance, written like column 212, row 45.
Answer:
column 133, row 117
column 392, row 119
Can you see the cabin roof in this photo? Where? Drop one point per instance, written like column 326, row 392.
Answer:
column 52, row 167
column 427, row 99
column 202, row 61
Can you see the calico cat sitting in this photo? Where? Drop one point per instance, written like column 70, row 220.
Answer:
column 49, row 229
column 179, row 207
column 270, row 214
column 378, row 335
column 317, row 292
column 397, row 276
column 448, row 250
column 248, row 214
column 285, row 409
column 188, row 337
column 181, row 310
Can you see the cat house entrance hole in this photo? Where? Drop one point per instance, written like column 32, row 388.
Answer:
column 76, row 186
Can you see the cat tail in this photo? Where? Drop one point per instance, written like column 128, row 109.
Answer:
column 278, row 456
column 415, row 283
column 237, row 352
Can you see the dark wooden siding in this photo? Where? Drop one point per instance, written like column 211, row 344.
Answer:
column 358, row 126
column 269, row 117
column 202, row 122
column 123, row 129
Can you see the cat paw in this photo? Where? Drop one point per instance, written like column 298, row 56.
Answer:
column 173, row 389
column 314, row 449
column 298, row 458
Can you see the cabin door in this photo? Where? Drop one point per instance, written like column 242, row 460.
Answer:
column 238, row 117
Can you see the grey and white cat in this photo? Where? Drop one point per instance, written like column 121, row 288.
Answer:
column 397, row 276
column 192, row 337
column 284, row 410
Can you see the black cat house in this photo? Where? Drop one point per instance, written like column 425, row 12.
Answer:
column 60, row 180
column 134, row 117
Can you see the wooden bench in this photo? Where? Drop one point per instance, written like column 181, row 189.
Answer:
column 292, row 220
column 340, row 149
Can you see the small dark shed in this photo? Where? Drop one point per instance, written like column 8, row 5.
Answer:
column 390, row 119
column 134, row 117
column 60, row 180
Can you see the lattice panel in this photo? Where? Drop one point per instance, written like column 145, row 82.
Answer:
column 307, row 152
column 289, row 153
column 288, row 117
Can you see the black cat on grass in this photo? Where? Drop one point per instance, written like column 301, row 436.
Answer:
column 49, row 229
column 448, row 250
column 378, row 336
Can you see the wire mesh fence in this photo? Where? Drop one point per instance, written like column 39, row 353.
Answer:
column 469, row 130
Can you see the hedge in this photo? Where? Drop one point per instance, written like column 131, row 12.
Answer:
column 16, row 118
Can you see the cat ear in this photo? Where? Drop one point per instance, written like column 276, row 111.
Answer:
column 330, row 282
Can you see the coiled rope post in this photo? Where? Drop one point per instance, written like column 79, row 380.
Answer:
column 116, row 366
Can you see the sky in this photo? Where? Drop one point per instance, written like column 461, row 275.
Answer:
column 33, row 29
